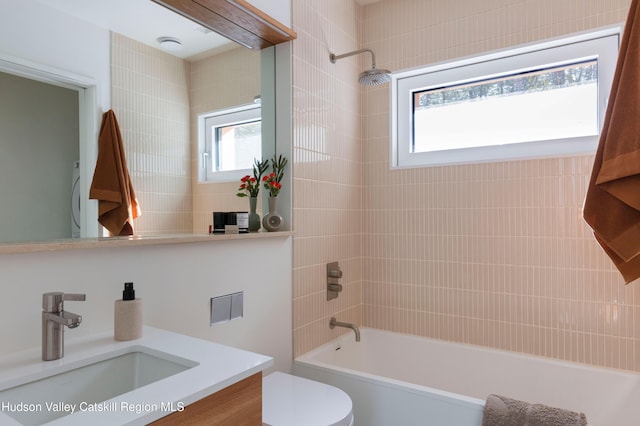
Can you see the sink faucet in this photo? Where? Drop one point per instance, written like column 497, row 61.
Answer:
column 335, row 323
column 54, row 318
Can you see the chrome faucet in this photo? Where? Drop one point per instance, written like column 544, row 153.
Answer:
column 54, row 318
column 335, row 323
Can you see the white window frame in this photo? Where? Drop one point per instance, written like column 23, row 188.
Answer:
column 226, row 117
column 602, row 44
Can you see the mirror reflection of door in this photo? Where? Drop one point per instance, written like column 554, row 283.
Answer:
column 39, row 140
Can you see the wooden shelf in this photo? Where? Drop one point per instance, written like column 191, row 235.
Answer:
column 237, row 20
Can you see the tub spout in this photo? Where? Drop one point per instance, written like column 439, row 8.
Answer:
column 335, row 323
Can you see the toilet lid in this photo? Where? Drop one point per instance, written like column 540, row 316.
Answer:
column 293, row 401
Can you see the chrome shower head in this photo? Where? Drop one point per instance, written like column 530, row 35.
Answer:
column 372, row 77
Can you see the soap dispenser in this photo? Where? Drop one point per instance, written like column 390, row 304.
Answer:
column 127, row 319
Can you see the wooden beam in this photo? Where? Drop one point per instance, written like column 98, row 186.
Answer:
column 237, row 20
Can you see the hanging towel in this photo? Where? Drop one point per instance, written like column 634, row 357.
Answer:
column 111, row 186
column 503, row 411
column 612, row 204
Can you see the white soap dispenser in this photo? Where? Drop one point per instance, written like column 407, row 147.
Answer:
column 127, row 319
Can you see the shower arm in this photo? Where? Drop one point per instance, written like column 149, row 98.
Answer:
column 333, row 57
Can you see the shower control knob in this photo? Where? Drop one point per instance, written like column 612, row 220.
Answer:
column 334, row 273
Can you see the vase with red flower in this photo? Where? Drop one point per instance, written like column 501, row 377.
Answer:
column 250, row 187
column 273, row 221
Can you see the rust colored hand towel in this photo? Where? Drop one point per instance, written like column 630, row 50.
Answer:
column 612, row 204
column 111, row 185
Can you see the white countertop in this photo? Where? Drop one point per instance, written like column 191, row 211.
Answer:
column 218, row 367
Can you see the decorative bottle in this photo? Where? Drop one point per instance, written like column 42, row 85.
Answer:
column 127, row 319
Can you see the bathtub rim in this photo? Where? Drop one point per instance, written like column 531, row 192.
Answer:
column 442, row 395
column 346, row 337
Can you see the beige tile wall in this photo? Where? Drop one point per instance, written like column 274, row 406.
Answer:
column 490, row 254
column 327, row 168
column 150, row 96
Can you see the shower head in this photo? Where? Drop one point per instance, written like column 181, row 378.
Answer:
column 372, row 77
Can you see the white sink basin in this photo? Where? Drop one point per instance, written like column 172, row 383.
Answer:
column 118, row 383
column 75, row 388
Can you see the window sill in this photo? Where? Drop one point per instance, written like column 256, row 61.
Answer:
column 134, row 241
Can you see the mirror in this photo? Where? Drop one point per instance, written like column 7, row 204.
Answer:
column 158, row 109
column 156, row 97
column 38, row 148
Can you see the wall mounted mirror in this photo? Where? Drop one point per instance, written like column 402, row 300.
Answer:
column 156, row 93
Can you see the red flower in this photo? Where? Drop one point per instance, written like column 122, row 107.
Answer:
column 250, row 185
column 272, row 183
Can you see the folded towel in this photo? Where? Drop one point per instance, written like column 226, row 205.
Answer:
column 503, row 411
column 111, row 185
column 612, row 204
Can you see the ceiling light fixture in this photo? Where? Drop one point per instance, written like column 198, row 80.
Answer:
column 170, row 43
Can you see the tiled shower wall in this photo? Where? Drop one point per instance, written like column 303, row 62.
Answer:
column 327, row 168
column 150, row 96
column 157, row 98
column 493, row 254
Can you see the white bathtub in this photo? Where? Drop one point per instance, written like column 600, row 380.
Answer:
column 396, row 379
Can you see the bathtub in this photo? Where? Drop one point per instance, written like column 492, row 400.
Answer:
column 397, row 379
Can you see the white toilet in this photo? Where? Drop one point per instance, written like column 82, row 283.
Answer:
column 294, row 401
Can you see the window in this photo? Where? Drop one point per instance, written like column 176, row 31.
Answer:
column 535, row 101
column 230, row 141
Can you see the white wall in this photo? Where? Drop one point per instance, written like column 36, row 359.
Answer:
column 39, row 34
column 176, row 281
